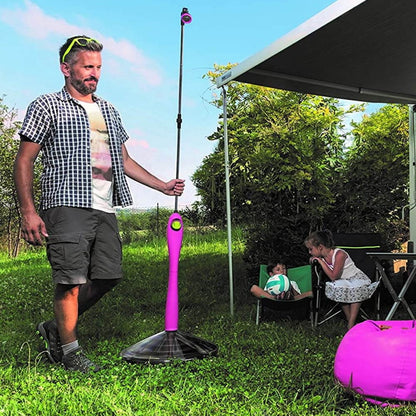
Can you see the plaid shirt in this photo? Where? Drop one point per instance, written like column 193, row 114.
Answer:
column 60, row 125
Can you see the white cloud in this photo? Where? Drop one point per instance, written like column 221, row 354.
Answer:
column 34, row 23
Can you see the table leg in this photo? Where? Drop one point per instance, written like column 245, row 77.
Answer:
column 378, row 296
column 403, row 291
column 397, row 299
column 389, row 288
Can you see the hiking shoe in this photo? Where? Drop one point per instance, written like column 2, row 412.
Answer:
column 76, row 360
column 48, row 331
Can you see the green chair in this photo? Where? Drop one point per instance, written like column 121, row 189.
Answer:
column 302, row 275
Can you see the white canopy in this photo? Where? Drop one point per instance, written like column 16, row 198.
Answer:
column 354, row 49
column 362, row 50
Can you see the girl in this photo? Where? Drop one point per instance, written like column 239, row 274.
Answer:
column 349, row 285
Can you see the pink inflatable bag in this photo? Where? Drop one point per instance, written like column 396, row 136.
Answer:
column 377, row 359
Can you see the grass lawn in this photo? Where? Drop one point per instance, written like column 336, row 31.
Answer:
column 282, row 367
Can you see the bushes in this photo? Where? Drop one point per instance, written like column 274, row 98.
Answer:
column 146, row 224
column 134, row 224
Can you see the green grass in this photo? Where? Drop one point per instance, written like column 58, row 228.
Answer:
column 279, row 368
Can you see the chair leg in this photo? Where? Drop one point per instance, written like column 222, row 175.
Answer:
column 258, row 312
column 364, row 314
column 318, row 287
column 315, row 299
column 327, row 317
column 316, row 306
column 312, row 312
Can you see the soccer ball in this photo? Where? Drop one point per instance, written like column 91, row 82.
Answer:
column 277, row 284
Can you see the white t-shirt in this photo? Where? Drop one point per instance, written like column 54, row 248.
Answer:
column 102, row 171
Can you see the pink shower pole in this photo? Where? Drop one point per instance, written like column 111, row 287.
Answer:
column 172, row 344
column 174, row 234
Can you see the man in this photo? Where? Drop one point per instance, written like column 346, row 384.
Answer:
column 85, row 162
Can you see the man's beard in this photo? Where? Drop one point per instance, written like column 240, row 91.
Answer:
column 82, row 88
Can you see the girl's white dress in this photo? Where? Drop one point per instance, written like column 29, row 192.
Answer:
column 353, row 285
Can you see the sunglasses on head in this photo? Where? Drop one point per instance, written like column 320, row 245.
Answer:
column 83, row 41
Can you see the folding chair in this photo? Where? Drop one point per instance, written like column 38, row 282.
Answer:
column 356, row 245
column 302, row 275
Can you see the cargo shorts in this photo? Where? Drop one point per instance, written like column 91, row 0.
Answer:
column 82, row 244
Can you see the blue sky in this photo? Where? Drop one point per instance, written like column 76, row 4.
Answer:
column 141, row 65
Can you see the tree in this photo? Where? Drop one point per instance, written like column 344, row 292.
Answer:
column 9, row 209
column 285, row 151
column 373, row 189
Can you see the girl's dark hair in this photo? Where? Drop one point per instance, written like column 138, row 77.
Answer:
column 321, row 237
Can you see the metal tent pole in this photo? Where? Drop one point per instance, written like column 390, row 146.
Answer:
column 228, row 201
column 412, row 174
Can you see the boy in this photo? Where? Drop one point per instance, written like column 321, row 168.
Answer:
column 292, row 293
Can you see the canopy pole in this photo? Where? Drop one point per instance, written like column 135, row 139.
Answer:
column 228, row 200
column 412, row 174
